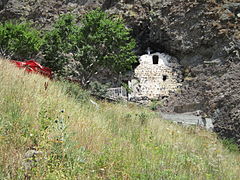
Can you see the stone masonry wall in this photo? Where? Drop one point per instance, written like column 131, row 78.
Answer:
column 154, row 80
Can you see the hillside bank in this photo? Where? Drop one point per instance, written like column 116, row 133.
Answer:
column 203, row 34
column 50, row 130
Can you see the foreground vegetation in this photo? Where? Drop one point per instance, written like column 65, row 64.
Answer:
column 75, row 139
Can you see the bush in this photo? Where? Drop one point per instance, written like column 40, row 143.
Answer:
column 80, row 52
column 59, row 43
column 231, row 145
column 154, row 105
column 99, row 89
column 103, row 42
column 19, row 40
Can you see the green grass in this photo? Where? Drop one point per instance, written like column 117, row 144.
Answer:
column 115, row 141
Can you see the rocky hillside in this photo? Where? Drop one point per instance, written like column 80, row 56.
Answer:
column 203, row 34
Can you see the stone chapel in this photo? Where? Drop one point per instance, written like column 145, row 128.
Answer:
column 155, row 77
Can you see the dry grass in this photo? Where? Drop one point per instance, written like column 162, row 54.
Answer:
column 115, row 141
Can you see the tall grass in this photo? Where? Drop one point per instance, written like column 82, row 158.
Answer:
column 77, row 140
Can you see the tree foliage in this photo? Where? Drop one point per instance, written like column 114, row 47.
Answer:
column 19, row 40
column 100, row 42
column 103, row 42
column 59, row 42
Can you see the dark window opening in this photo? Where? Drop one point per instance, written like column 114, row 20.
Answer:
column 164, row 97
column 155, row 59
column 164, row 77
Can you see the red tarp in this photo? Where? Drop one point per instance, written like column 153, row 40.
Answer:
column 33, row 66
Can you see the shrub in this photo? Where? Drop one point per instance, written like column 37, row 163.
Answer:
column 19, row 40
column 103, row 42
column 59, row 43
column 230, row 145
column 99, row 89
column 80, row 52
column 154, row 105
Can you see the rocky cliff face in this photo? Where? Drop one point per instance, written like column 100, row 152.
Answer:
column 203, row 34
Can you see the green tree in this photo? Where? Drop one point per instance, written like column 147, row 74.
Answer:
column 81, row 51
column 103, row 42
column 19, row 40
column 60, row 43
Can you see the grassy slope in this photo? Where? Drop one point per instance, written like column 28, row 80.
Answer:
column 80, row 141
